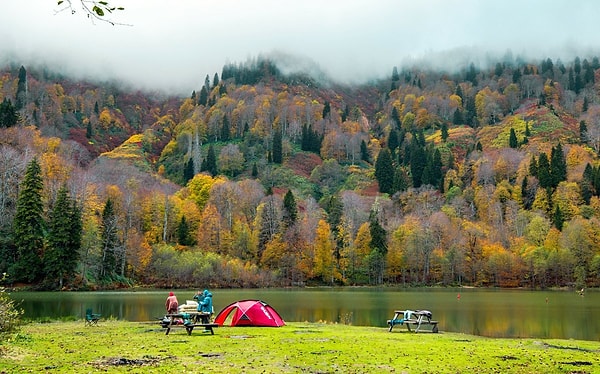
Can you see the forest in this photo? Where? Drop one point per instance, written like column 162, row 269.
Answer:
column 485, row 176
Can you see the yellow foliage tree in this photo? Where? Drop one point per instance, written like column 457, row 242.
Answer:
column 323, row 261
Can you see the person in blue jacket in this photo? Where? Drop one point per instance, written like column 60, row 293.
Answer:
column 205, row 306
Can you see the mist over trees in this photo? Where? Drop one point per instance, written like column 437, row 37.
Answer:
column 483, row 177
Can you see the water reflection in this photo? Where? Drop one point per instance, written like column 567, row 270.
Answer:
column 497, row 313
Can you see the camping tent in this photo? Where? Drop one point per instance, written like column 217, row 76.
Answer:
column 250, row 313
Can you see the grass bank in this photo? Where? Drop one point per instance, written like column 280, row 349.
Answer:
column 119, row 346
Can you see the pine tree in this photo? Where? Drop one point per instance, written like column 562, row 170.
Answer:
column 533, row 166
column 64, row 240
column 392, row 142
column 183, row 233
column 512, row 139
column 29, row 226
column 277, row 148
column 225, row 130
column 364, row 152
column 8, row 114
column 384, row 171
column 254, row 170
column 326, row 110
column 396, row 118
column 444, row 132
column 215, row 80
column 418, row 162
column 203, row 98
column 290, row 210
column 558, row 218
column 21, row 100
column 395, row 75
column 209, row 164
column 558, row 165
column 188, row 170
column 543, row 171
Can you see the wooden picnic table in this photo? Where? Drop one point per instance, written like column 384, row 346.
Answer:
column 188, row 321
column 413, row 317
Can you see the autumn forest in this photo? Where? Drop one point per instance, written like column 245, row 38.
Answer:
column 484, row 176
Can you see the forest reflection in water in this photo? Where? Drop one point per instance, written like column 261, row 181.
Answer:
column 486, row 312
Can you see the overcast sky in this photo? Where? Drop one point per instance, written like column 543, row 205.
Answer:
column 172, row 45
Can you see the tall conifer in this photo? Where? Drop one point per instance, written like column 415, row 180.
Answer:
column 29, row 226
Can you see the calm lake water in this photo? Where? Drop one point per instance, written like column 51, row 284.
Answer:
column 494, row 313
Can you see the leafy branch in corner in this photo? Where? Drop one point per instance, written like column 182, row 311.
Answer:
column 93, row 9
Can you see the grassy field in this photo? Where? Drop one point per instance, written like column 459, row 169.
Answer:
column 118, row 346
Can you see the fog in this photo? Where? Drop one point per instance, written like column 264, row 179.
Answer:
column 171, row 46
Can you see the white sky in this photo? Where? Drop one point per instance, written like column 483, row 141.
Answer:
column 173, row 44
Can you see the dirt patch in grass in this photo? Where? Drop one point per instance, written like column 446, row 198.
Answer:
column 122, row 361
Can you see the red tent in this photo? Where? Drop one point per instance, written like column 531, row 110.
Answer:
column 250, row 313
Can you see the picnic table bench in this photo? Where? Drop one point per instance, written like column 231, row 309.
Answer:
column 188, row 321
column 413, row 317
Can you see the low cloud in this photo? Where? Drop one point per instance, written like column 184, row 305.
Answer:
column 172, row 46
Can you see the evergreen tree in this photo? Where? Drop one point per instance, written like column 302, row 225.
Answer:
column 418, row 162
column 459, row 92
column 533, row 166
column 254, row 170
column 29, row 226
column 392, row 142
column 558, row 218
column 436, row 169
column 183, row 233
column 188, row 170
column 96, row 108
column 8, row 114
column 396, row 118
column 444, row 132
column 588, row 183
column 326, row 110
column 512, row 139
column 290, row 210
column 109, row 240
column 207, row 84
column 401, row 179
column 21, row 99
column 524, row 195
column 364, row 152
column 64, row 240
column 384, row 171
column 215, row 80
column 209, row 164
column 395, row 75
column 558, row 165
column 516, row 76
column 203, row 98
column 277, row 148
column 543, row 171
column 225, row 130
column 89, row 131
column 571, row 80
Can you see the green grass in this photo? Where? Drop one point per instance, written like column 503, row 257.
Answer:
column 117, row 346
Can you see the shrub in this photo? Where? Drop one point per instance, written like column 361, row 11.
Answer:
column 10, row 314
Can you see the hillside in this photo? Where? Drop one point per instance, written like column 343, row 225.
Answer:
column 479, row 177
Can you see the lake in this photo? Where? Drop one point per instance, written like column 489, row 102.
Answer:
column 494, row 313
